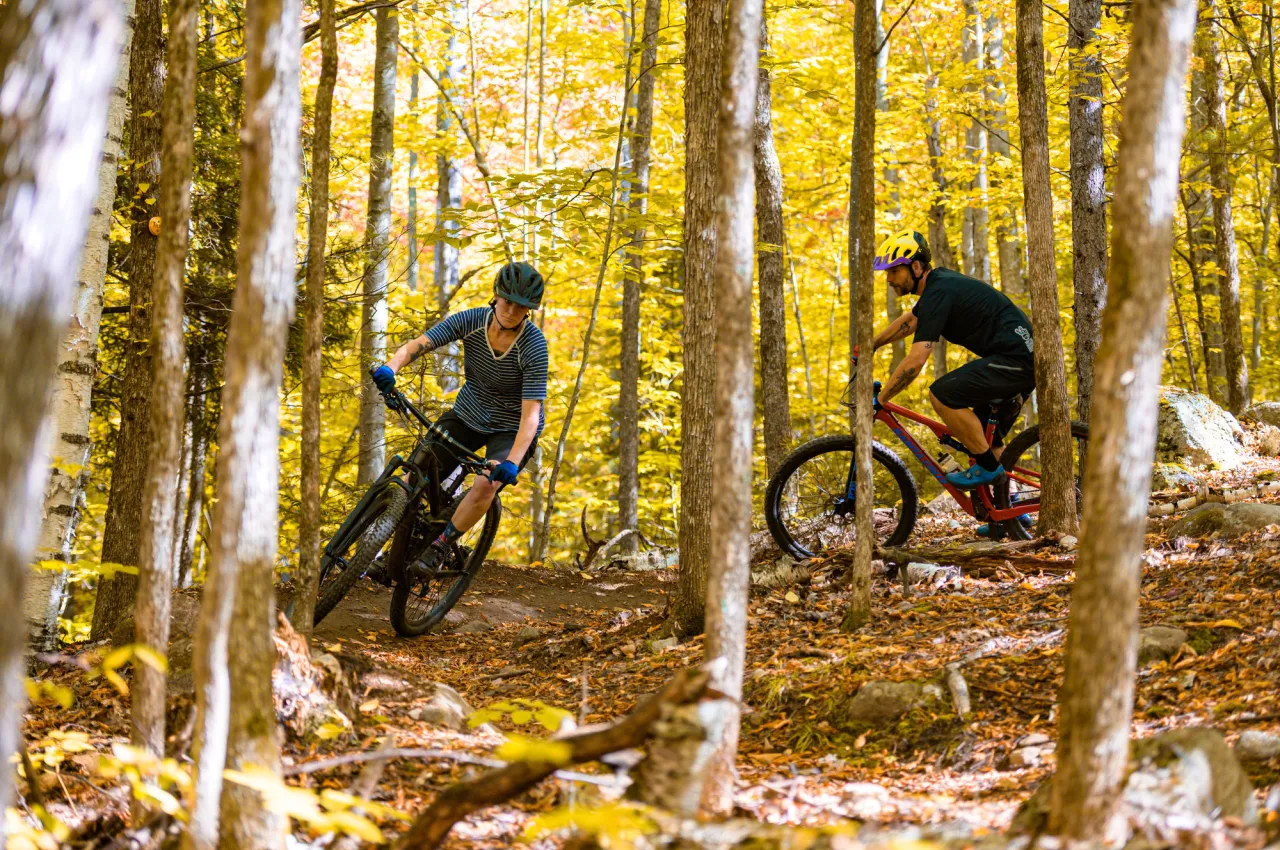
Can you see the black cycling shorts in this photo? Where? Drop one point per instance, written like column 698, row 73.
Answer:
column 497, row 446
column 996, row 384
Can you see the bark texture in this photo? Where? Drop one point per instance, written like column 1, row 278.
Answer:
column 1058, row 505
column 1226, row 255
column 448, row 192
column 1008, row 238
column 729, row 572
column 862, row 231
column 704, row 39
column 974, row 238
column 312, row 358
column 235, row 723
column 73, row 384
column 57, row 61
column 411, row 272
column 121, row 536
column 633, row 276
column 168, row 387
column 373, row 312
column 1197, row 201
column 1088, row 193
column 1102, row 639
column 774, row 393
column 196, row 458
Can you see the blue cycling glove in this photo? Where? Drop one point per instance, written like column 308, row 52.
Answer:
column 505, row 473
column 384, row 379
column 875, row 397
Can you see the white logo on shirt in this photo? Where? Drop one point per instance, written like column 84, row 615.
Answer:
column 1026, row 337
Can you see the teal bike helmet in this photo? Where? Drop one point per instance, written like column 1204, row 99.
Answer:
column 519, row 283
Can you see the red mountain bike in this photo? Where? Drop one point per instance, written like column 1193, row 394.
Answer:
column 809, row 504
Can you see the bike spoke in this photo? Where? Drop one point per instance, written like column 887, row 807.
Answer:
column 816, row 512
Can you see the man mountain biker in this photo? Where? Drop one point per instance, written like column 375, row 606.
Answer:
column 971, row 314
column 500, row 404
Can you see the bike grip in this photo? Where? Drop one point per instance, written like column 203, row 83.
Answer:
column 875, row 388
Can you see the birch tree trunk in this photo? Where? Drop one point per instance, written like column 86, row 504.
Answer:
column 704, row 26
column 57, row 61
column 197, row 459
column 1058, row 504
column 1200, row 240
column 73, row 384
column 633, row 276
column 168, row 407
column 1008, row 241
column 121, row 536
column 1102, row 639
column 448, row 192
column 411, row 273
column 1088, row 193
column 373, row 311
column 898, row 348
column 862, row 232
column 774, row 390
column 978, row 258
column 939, row 244
column 313, row 358
column 235, row 721
column 1226, row 255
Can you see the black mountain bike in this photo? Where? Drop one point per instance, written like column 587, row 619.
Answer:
column 407, row 507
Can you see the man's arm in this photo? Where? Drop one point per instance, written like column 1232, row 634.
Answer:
column 409, row 352
column 907, row 370
column 529, row 410
column 900, row 328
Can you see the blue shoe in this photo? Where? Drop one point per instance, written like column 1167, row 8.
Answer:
column 1025, row 520
column 975, row 476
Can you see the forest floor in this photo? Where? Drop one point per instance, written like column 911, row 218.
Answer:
column 586, row 643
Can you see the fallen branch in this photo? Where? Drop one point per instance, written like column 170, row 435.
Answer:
column 1204, row 495
column 460, row 800
column 980, row 562
column 959, row 690
column 420, row 753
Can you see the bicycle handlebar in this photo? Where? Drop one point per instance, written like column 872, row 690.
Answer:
column 399, row 402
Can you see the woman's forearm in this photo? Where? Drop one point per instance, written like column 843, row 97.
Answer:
column 409, row 352
column 524, row 437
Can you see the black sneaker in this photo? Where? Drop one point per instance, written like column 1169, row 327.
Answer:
column 429, row 562
column 378, row 571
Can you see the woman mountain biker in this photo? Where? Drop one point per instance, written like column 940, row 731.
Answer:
column 971, row 314
column 500, row 404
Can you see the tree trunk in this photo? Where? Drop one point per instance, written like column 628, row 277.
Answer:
column 73, row 386
column 704, row 39
column 976, row 215
column 1088, row 193
column 632, row 277
column 1226, row 256
column 862, row 232
column 774, row 391
column 313, row 360
column 893, row 309
column 57, row 61
column 373, row 312
column 121, row 535
column 411, row 273
column 1058, row 505
column 1200, row 243
column 448, row 194
column 197, row 458
column 729, row 569
column 168, row 407
column 235, row 722
column 1102, row 638
column 1008, row 243
column 939, row 244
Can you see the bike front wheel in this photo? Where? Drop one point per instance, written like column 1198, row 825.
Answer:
column 420, row 602
column 373, row 529
column 809, row 503
column 1023, row 456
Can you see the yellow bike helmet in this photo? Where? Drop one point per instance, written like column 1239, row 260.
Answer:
column 901, row 249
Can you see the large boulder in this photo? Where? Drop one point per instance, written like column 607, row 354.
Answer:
column 880, row 702
column 1233, row 520
column 1158, row 643
column 1171, row 476
column 1266, row 412
column 1255, row 745
column 1193, row 430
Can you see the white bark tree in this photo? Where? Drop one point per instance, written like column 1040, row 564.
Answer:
column 57, row 62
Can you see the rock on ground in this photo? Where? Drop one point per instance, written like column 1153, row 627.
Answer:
column 1171, row 476
column 1233, row 520
column 1257, row 746
column 1266, row 412
column 446, row 707
column 883, row 702
column 1158, row 643
column 1193, row 430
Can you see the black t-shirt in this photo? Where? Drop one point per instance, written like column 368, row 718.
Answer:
column 971, row 314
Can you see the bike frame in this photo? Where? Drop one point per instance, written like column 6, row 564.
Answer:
column 968, row 500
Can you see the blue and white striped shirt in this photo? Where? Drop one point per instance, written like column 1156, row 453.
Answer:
column 496, row 384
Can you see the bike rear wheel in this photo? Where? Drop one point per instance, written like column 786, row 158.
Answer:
column 419, row 603
column 372, row 531
column 807, row 504
column 1022, row 452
